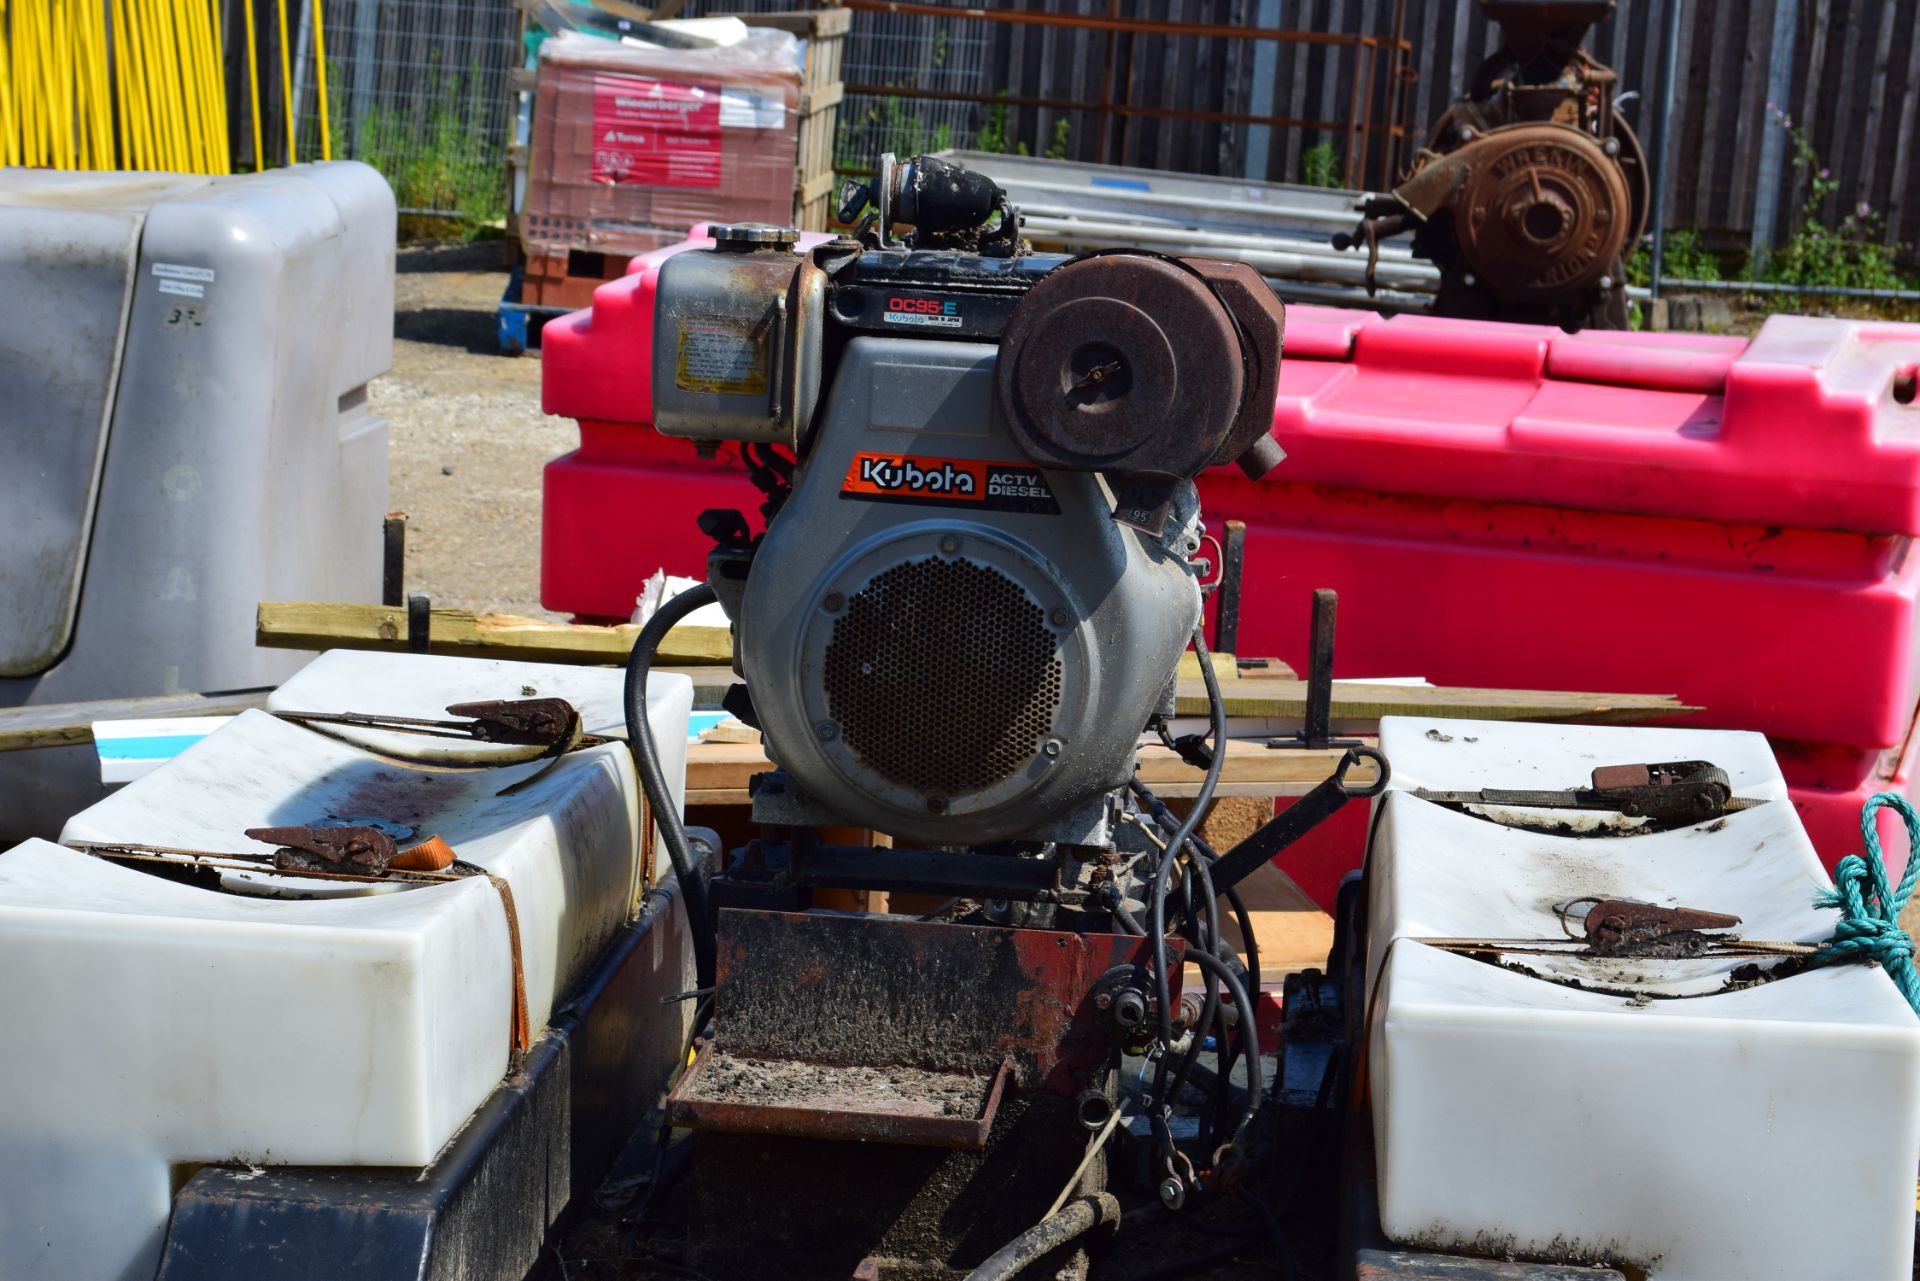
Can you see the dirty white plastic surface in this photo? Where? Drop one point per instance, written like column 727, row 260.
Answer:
column 1661, row 1120
column 354, row 1026
column 345, row 680
column 184, row 420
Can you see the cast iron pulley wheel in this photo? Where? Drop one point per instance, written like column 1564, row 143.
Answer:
column 1124, row 362
column 1543, row 209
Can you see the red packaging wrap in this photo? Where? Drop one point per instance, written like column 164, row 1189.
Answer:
column 631, row 146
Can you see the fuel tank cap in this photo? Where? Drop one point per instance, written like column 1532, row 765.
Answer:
column 748, row 236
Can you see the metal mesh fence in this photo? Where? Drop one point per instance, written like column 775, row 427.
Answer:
column 908, row 50
column 415, row 88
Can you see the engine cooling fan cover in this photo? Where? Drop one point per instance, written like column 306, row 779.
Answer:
column 952, row 672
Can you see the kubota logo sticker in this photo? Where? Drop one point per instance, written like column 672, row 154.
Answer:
column 908, row 478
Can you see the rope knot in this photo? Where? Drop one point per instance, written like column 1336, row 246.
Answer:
column 1869, row 929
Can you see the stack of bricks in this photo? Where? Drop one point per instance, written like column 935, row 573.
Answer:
column 632, row 146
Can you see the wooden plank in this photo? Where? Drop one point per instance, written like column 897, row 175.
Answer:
column 1870, row 143
column 316, row 625
column 1897, row 202
column 1353, row 701
column 71, row 724
column 1748, row 113
column 1293, row 933
column 1721, row 63
column 717, row 773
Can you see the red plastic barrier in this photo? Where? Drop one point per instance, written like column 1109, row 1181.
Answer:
column 1498, row 505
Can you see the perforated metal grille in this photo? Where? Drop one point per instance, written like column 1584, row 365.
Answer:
column 943, row 676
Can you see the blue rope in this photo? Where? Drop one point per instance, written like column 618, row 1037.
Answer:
column 1869, row 928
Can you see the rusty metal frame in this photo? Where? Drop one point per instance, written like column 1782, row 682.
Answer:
column 1381, row 64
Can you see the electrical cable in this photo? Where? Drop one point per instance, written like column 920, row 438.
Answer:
column 1217, row 717
column 1238, row 991
column 646, row 758
column 1158, row 811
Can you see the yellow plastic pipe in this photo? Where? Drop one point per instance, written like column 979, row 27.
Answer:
column 162, row 85
column 9, row 138
column 40, row 134
column 217, row 61
column 253, row 87
column 77, row 105
column 99, row 85
column 191, row 84
column 117, row 41
column 143, row 130
column 60, row 105
column 320, row 74
column 286, row 83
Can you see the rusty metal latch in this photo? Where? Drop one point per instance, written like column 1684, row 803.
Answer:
column 366, row 851
column 552, row 723
column 1623, row 927
column 1667, row 791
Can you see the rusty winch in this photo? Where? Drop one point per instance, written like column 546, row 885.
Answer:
column 1531, row 190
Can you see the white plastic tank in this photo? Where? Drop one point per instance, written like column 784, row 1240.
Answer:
column 273, row 1020
column 183, row 411
column 1665, row 1114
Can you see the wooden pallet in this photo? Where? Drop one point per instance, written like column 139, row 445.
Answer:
column 825, row 35
column 821, row 89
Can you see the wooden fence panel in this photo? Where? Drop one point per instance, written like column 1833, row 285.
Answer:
column 1854, row 85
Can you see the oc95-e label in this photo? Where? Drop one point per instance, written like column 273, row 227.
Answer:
column 925, row 313
column 963, row 482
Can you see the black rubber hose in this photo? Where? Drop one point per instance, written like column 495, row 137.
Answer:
column 1158, row 810
column 1238, row 991
column 1157, row 934
column 1128, row 921
column 1077, row 1218
column 646, row 759
column 1207, row 941
column 1201, row 1028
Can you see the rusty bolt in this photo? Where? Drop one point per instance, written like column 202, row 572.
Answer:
column 1058, row 618
column 1104, row 1001
column 949, row 544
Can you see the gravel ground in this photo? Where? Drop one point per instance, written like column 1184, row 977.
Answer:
column 468, row 437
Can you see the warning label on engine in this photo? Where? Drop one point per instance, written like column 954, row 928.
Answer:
column 656, row 132
column 909, row 478
column 713, row 356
